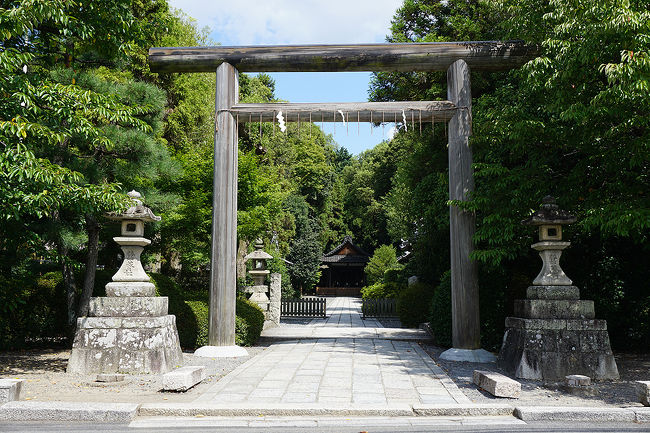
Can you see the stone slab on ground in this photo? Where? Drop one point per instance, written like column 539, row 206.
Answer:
column 10, row 389
column 68, row 411
column 497, row 384
column 643, row 391
column 563, row 413
column 578, row 380
column 183, row 378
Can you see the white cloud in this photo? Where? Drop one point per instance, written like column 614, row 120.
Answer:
column 392, row 131
column 276, row 22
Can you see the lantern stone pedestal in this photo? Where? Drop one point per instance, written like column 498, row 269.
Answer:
column 129, row 330
column 553, row 332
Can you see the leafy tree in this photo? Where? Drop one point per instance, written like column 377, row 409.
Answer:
column 57, row 133
column 570, row 123
column 383, row 259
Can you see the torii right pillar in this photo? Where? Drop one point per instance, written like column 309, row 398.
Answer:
column 466, row 329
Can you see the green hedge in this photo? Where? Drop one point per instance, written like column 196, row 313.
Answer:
column 32, row 311
column 413, row 304
column 491, row 305
column 192, row 315
column 382, row 290
column 440, row 314
column 248, row 323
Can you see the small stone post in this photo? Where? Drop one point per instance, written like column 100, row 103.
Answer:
column 553, row 333
column 129, row 330
column 276, row 299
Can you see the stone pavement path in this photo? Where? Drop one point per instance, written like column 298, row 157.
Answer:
column 343, row 321
column 338, row 371
column 345, row 312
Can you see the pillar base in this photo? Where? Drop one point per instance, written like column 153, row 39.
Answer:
column 468, row 355
column 221, row 352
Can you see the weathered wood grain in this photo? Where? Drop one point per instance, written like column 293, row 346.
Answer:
column 466, row 332
column 415, row 112
column 430, row 56
column 223, row 279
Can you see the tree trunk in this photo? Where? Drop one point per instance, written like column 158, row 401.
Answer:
column 92, row 229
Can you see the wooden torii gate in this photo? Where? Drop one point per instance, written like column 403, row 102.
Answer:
column 457, row 58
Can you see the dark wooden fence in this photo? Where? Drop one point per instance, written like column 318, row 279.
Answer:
column 306, row 307
column 379, row 307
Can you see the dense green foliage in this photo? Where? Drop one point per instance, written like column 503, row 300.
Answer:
column 572, row 123
column 32, row 310
column 384, row 259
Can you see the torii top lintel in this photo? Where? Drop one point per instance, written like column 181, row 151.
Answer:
column 429, row 56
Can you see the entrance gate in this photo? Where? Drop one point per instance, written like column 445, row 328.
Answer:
column 457, row 58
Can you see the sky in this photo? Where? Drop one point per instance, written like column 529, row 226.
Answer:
column 289, row 22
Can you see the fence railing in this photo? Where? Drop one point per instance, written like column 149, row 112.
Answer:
column 386, row 307
column 305, row 307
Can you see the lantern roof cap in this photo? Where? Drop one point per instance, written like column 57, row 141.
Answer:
column 137, row 211
column 258, row 254
column 549, row 213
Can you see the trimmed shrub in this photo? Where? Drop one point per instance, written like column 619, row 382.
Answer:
column 394, row 276
column 383, row 259
column 413, row 304
column 192, row 315
column 248, row 323
column 440, row 312
column 382, row 290
column 491, row 305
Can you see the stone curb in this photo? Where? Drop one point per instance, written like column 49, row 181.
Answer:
column 68, row 411
column 463, row 409
column 289, row 409
column 589, row 414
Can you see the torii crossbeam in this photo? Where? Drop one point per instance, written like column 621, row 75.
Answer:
column 455, row 57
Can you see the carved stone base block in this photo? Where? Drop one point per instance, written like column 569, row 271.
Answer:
column 550, row 349
column 134, row 345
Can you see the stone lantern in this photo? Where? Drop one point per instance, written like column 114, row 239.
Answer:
column 128, row 330
column 259, row 272
column 550, row 219
column 553, row 333
column 132, row 242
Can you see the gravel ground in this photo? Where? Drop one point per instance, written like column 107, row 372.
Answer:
column 46, row 379
column 615, row 393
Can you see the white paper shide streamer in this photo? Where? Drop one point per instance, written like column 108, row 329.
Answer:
column 281, row 124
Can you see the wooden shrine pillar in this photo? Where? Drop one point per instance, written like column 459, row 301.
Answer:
column 223, row 278
column 466, row 332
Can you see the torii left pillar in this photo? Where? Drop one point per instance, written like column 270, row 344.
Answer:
column 223, row 278
column 466, row 330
